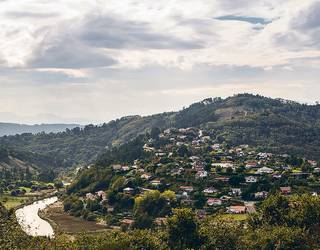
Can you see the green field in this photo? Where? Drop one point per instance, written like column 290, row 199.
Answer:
column 11, row 202
column 236, row 217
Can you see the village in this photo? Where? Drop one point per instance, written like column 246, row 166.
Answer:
column 210, row 177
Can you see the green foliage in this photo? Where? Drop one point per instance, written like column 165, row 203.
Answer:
column 220, row 234
column 274, row 238
column 182, row 229
column 153, row 204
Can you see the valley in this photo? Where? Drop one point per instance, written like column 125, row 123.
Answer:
column 228, row 166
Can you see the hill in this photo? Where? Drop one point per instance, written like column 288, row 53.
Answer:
column 14, row 128
column 271, row 124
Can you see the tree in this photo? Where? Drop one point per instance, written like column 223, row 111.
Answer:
column 182, row 229
column 154, row 133
column 220, row 234
column 58, row 184
column 280, row 237
column 273, row 211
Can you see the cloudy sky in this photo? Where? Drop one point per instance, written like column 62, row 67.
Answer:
column 93, row 61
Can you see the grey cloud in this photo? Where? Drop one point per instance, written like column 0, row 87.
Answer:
column 304, row 30
column 68, row 53
column 107, row 32
column 30, row 14
column 82, row 45
column 308, row 19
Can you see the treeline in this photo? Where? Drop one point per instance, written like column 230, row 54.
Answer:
column 281, row 223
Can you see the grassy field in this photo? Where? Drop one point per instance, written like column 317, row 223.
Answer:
column 69, row 224
column 11, row 201
column 236, row 217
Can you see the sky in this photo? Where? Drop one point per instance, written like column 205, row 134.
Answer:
column 94, row 61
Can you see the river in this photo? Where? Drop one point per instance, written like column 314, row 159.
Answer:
column 30, row 221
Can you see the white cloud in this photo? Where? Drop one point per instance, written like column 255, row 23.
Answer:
column 70, row 57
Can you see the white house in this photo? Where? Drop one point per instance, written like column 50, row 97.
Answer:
column 251, row 179
column 210, row 190
column 264, row 170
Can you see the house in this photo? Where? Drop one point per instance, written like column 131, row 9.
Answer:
column 215, row 146
column 312, row 163
column 285, row 190
column 250, row 165
column 210, row 190
column 155, row 182
column 110, row 209
column 187, row 189
column 128, row 190
column 145, row 176
column 236, row 191
column 261, row 195
column 316, row 170
column 90, row 196
column 125, row 168
column 116, row 167
column 102, row 195
column 160, row 154
column 277, row 176
column 265, row 170
column 201, row 174
column 236, row 210
column 251, row 179
column 127, row 222
column 222, row 178
column 214, row 202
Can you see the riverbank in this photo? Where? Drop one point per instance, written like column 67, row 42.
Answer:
column 62, row 222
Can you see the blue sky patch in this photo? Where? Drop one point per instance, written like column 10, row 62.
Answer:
column 253, row 20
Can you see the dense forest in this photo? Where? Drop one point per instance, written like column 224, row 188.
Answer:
column 272, row 124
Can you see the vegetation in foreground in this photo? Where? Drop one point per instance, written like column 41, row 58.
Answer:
column 281, row 223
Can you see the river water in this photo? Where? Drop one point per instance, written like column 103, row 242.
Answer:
column 30, row 221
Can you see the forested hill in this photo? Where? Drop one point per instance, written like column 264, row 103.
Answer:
column 273, row 124
column 14, row 128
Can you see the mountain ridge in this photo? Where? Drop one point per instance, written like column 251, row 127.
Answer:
column 272, row 124
column 7, row 128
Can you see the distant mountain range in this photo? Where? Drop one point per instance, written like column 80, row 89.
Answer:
column 273, row 125
column 14, row 128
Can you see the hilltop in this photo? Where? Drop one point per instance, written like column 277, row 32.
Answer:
column 271, row 124
column 14, row 128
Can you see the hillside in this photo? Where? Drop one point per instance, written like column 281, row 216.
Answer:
column 271, row 124
column 14, row 128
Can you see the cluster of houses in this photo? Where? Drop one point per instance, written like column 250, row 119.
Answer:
column 229, row 179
